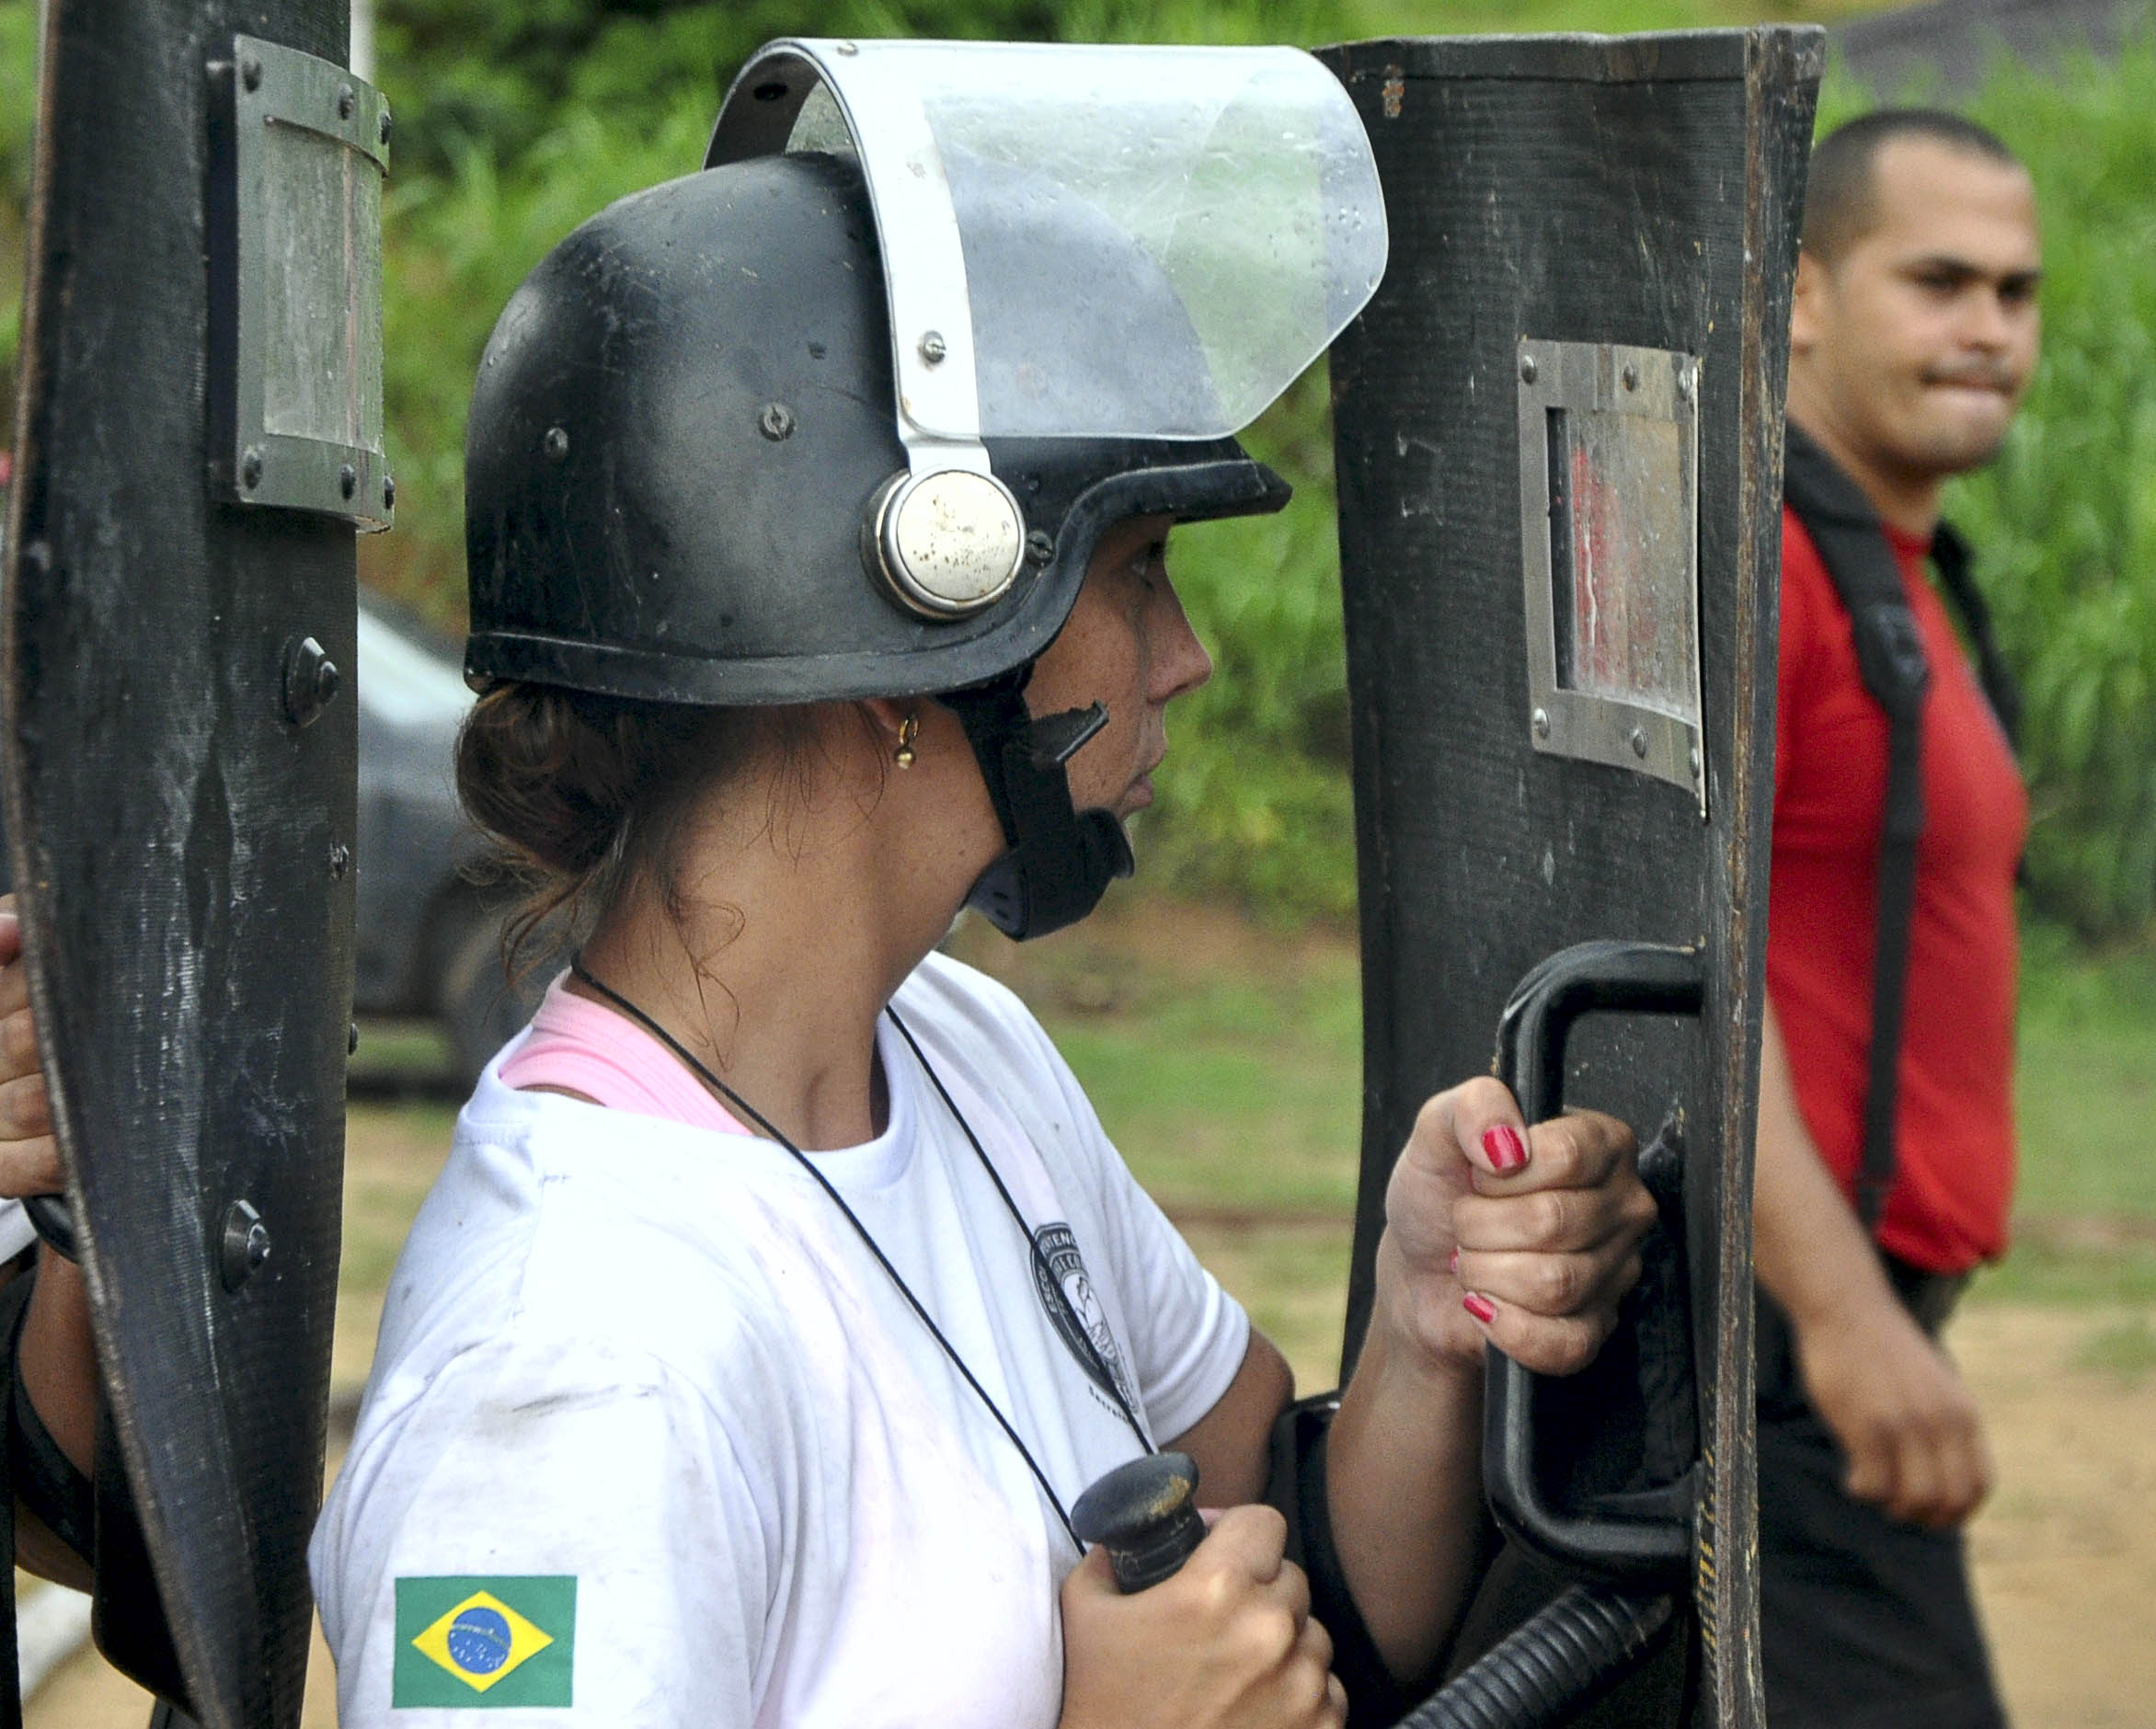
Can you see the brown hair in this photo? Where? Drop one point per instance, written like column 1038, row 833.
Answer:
column 580, row 796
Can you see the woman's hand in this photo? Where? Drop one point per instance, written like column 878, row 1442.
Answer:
column 1226, row 1643
column 30, row 1156
column 1525, row 1238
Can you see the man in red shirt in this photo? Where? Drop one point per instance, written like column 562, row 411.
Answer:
column 1913, row 335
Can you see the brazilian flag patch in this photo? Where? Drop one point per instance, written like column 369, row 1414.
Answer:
column 478, row 1642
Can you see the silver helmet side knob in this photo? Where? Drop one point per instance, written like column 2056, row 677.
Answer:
column 949, row 542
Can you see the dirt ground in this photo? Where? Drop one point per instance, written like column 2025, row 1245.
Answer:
column 2065, row 1551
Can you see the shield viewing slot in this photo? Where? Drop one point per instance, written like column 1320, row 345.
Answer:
column 1609, row 504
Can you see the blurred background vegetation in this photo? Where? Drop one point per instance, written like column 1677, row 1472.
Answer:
column 516, row 121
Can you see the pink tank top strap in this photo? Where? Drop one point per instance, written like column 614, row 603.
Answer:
column 584, row 1046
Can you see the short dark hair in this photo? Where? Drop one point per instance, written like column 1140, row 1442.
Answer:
column 1841, row 193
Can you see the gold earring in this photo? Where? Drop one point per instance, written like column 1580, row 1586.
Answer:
column 904, row 755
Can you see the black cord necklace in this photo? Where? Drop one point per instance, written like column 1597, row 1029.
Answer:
column 1047, row 1279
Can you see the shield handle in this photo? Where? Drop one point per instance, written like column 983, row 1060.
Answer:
column 1630, row 1537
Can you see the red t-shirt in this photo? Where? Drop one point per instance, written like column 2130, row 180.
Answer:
column 1953, row 1170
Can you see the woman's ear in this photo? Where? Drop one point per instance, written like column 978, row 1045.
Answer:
column 889, row 715
column 895, row 724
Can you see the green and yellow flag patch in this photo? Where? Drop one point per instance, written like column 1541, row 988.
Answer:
column 463, row 1640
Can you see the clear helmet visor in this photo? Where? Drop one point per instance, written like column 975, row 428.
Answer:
column 1088, row 242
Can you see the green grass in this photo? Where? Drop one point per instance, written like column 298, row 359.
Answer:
column 2085, row 1202
column 2070, row 1271
column 2127, row 1350
column 1225, row 1061
column 2087, row 1083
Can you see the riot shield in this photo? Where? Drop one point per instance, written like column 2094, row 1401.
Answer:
column 1559, row 435
column 200, row 436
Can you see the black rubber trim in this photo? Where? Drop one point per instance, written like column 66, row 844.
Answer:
column 50, row 1489
column 1296, row 1485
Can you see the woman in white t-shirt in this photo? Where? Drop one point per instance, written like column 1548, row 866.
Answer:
column 781, row 1293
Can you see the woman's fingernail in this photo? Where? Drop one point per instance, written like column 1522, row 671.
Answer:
column 1480, row 1306
column 1506, row 1146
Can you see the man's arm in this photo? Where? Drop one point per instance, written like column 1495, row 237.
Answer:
column 1891, row 1397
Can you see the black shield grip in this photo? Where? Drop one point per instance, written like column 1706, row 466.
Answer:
column 1631, row 1537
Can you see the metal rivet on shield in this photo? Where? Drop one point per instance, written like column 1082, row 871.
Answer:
column 847, row 47
column 347, row 480
column 250, row 468
column 1541, row 723
column 1695, row 762
column 388, row 492
column 1527, row 368
column 1040, row 546
column 556, row 443
column 1639, row 743
column 352, row 1040
column 341, row 860
column 346, row 102
column 245, row 1247
column 381, row 127
column 311, row 679
column 250, row 73
column 775, row 422
column 1632, row 378
column 933, row 346
column 1684, row 383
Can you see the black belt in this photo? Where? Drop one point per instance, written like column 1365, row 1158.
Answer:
column 1929, row 1298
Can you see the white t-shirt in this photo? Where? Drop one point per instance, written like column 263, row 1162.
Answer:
column 16, row 1232
column 658, row 1362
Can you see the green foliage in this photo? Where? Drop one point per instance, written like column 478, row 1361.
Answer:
column 19, row 69
column 455, row 247
column 2066, row 521
column 2086, row 1084
column 1253, row 798
column 471, row 73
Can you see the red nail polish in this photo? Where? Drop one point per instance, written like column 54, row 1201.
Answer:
column 1480, row 1306
column 1506, row 1146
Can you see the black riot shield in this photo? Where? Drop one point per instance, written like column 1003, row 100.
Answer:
column 1559, row 436
column 199, row 438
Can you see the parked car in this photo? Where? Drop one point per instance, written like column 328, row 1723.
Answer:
column 429, row 937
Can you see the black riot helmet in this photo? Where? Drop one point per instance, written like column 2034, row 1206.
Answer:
column 710, row 461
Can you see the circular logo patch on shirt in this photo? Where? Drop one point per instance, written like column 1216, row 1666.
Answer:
column 478, row 1640
column 1066, row 1292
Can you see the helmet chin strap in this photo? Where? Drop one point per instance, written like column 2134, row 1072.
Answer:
column 1059, row 859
